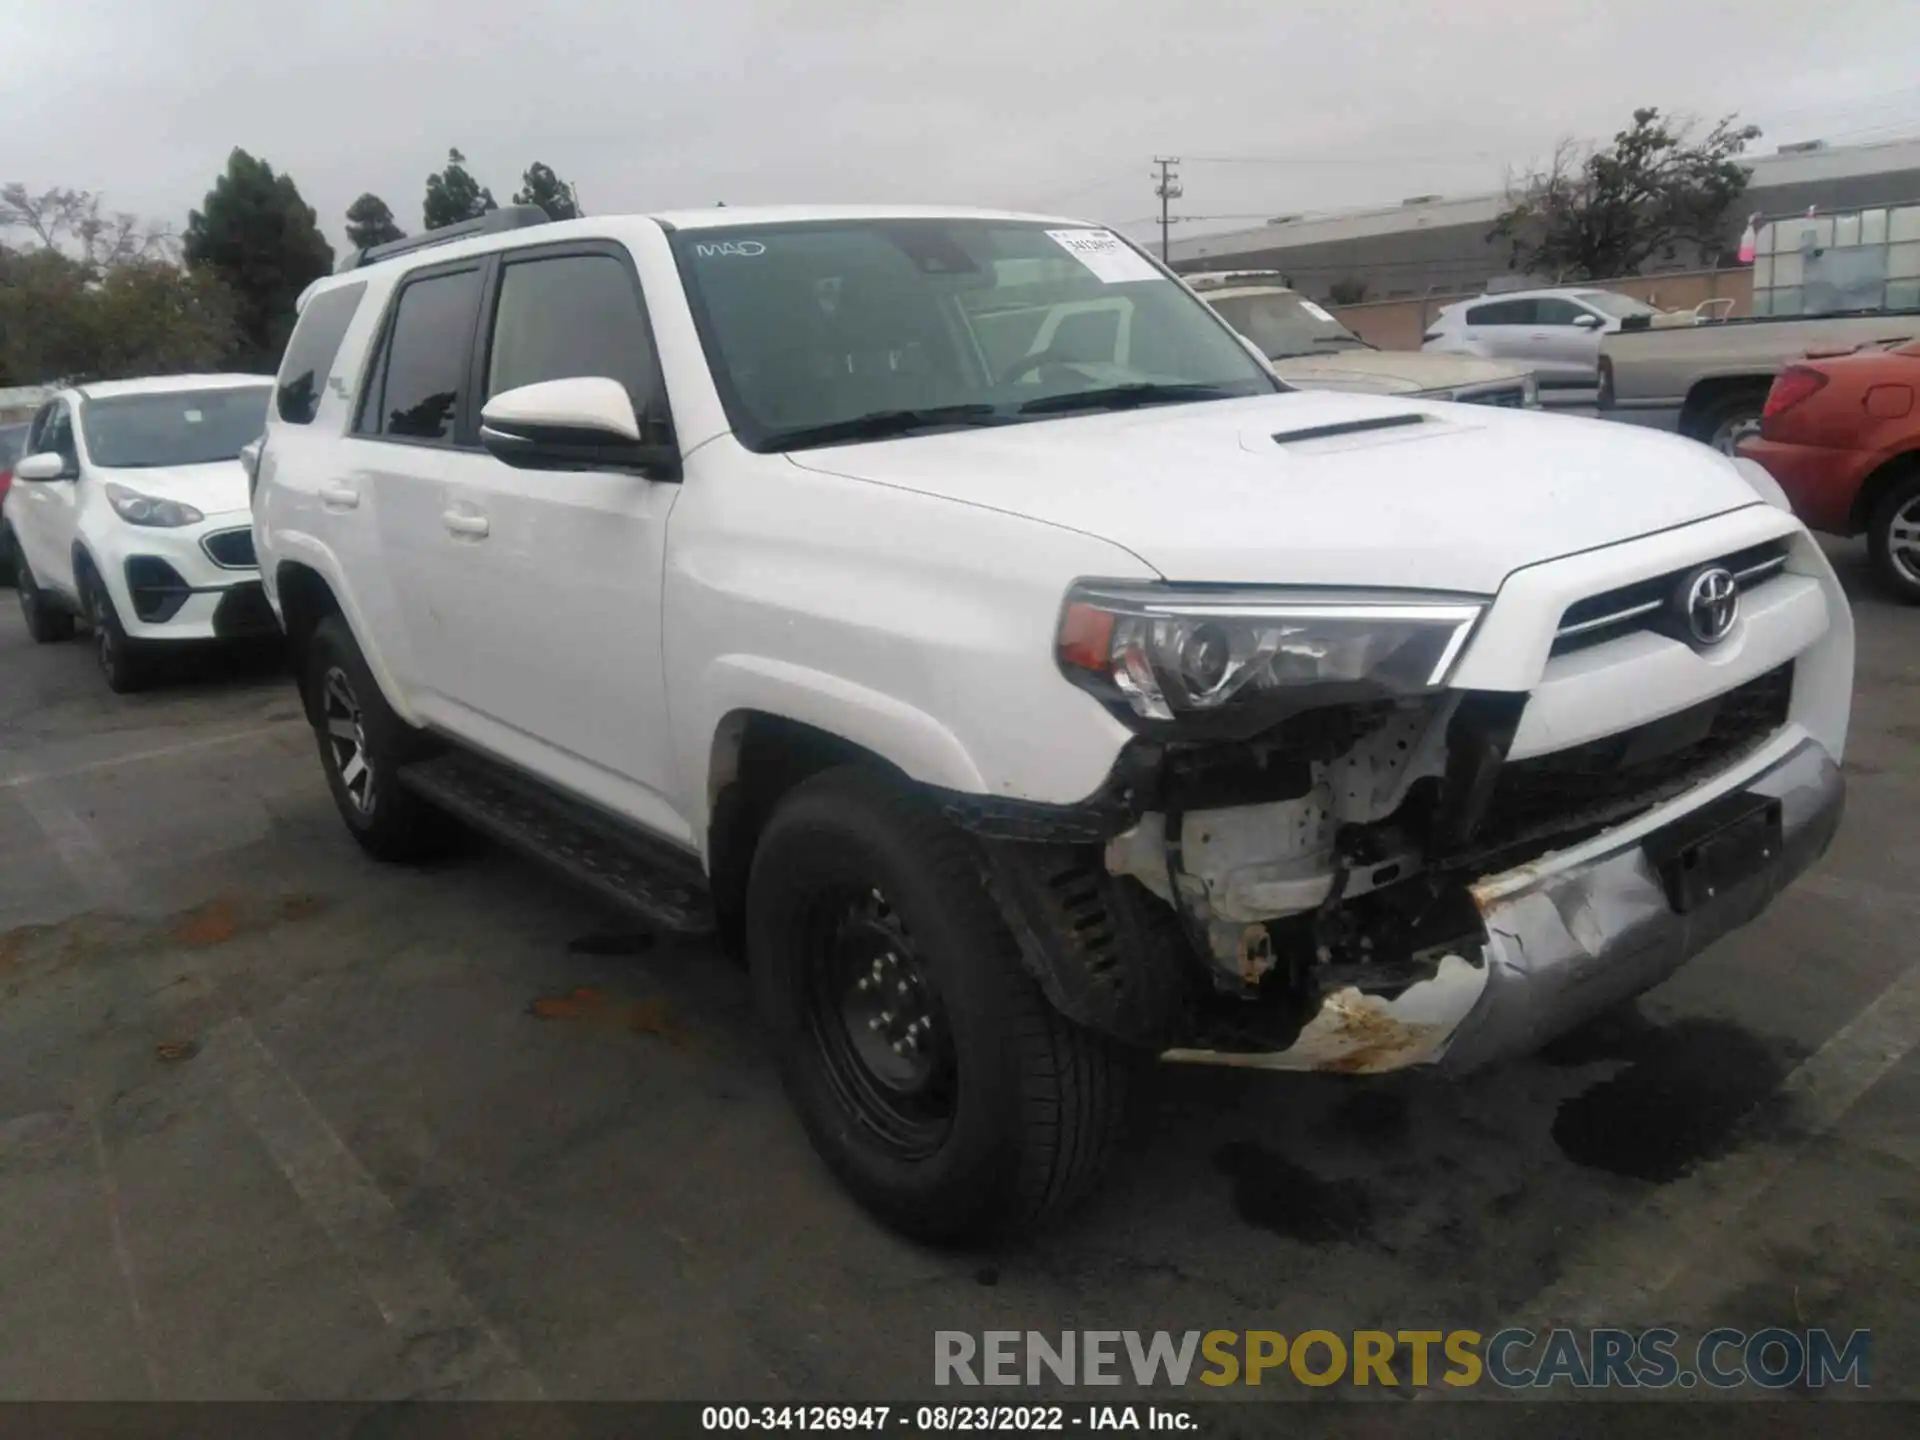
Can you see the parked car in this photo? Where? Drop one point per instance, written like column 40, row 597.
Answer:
column 1018, row 714
column 1311, row 350
column 129, row 511
column 1555, row 332
column 13, row 439
column 1842, row 436
column 1710, row 382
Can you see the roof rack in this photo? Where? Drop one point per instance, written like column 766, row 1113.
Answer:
column 507, row 217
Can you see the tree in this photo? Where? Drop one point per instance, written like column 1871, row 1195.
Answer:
column 72, row 223
column 1348, row 290
column 1595, row 213
column 370, row 223
column 62, row 321
column 263, row 241
column 454, row 195
column 540, row 186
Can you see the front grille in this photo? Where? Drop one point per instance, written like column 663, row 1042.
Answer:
column 158, row 590
column 1640, row 606
column 231, row 549
column 243, row 611
column 1513, row 397
column 1572, row 793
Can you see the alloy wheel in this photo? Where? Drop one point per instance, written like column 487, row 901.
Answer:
column 1729, row 434
column 1903, row 540
column 346, row 738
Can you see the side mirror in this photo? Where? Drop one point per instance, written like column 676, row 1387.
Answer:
column 47, row 465
column 1587, row 322
column 583, row 423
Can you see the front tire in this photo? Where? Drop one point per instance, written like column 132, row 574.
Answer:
column 46, row 624
column 125, row 663
column 9, row 564
column 363, row 744
column 929, row 1070
column 1893, row 539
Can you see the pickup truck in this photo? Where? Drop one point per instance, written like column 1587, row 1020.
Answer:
column 1018, row 717
column 1709, row 381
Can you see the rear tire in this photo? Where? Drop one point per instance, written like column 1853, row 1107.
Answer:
column 1893, row 539
column 46, row 624
column 866, row 920
column 126, row 664
column 8, row 564
column 1723, row 424
column 362, row 746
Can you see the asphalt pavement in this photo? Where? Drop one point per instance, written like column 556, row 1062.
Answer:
column 279, row 1122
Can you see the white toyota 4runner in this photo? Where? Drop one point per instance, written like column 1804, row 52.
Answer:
column 1018, row 714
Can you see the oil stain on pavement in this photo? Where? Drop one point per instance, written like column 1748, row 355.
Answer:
column 1272, row 1193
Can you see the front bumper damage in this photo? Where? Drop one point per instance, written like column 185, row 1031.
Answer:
column 1566, row 937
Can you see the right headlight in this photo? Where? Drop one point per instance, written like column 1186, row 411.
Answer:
column 137, row 509
column 1171, row 652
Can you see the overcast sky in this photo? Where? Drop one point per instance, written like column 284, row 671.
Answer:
column 1038, row 104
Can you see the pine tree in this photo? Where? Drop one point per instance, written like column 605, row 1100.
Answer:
column 370, row 223
column 540, row 186
column 454, row 195
column 263, row 242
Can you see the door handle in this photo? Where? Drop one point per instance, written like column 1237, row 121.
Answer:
column 460, row 523
column 339, row 497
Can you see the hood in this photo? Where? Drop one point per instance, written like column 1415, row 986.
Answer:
column 1392, row 372
column 214, row 489
column 1203, row 492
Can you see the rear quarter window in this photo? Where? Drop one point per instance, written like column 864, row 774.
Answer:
column 311, row 352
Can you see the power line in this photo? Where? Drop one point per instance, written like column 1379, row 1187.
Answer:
column 1168, row 190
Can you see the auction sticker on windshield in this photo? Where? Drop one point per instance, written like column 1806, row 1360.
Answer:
column 1104, row 253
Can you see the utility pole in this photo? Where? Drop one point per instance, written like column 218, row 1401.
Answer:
column 1168, row 190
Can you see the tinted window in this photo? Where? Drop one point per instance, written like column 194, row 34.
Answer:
column 180, row 427
column 1551, row 311
column 426, row 360
column 13, row 444
column 572, row 315
column 57, row 436
column 1502, row 312
column 311, row 351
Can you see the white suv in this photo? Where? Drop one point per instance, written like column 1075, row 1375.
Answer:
column 128, row 509
column 1018, row 714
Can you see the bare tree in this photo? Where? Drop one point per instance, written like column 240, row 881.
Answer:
column 76, row 224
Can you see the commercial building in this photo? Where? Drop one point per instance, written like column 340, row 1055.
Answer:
column 1433, row 245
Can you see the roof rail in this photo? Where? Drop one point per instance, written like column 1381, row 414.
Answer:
column 507, row 217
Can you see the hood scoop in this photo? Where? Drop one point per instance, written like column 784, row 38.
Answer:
column 1349, row 427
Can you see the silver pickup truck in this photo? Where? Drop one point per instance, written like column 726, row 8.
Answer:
column 1710, row 381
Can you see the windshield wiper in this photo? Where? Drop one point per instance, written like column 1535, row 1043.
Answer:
column 1125, row 397
column 884, row 425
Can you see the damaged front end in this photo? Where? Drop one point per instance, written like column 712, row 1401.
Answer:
column 1370, row 882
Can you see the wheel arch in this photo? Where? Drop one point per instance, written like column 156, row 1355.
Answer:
column 1711, row 392
column 307, row 596
column 1882, row 479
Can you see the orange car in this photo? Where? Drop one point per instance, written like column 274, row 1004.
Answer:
column 1841, row 433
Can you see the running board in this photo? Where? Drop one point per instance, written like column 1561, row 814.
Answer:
column 647, row 877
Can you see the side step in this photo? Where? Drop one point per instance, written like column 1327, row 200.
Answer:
column 648, row 877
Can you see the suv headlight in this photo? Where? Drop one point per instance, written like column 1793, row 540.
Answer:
column 137, row 509
column 1172, row 653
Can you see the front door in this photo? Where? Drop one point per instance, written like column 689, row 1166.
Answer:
column 1569, row 351
column 45, row 517
column 550, row 622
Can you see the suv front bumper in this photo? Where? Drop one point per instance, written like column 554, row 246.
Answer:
column 1567, row 936
column 171, row 584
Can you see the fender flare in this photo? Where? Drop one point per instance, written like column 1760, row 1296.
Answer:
column 297, row 547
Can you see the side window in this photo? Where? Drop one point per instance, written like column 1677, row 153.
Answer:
column 1502, row 312
column 1552, row 311
column 568, row 315
column 58, row 436
column 416, row 395
column 311, row 351
column 37, row 431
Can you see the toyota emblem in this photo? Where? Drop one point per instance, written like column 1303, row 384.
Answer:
column 1710, row 603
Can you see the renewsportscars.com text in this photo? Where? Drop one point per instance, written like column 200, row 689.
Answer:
column 1514, row 1359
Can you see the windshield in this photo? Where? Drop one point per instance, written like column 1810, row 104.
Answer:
column 1618, row 306
column 828, row 331
column 1282, row 323
column 180, row 427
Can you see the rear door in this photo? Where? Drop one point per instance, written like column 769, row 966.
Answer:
column 1500, row 329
